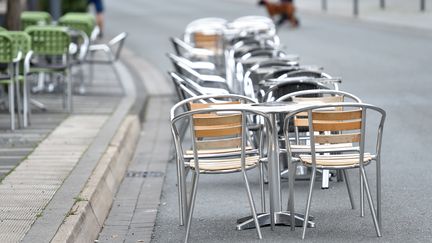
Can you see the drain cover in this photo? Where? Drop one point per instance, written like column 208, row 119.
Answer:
column 144, row 174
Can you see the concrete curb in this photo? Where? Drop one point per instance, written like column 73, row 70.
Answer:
column 86, row 217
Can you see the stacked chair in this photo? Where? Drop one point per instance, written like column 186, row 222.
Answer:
column 219, row 63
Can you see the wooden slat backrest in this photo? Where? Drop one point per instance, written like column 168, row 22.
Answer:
column 325, row 99
column 207, row 41
column 336, row 122
column 338, row 138
column 301, row 119
column 194, row 106
column 214, row 131
column 219, row 143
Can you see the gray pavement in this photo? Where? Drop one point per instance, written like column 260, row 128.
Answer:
column 385, row 64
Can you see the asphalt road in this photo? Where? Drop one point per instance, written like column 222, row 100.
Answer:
column 384, row 65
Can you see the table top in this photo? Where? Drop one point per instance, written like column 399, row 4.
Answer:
column 269, row 107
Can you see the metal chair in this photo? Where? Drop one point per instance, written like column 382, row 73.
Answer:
column 339, row 123
column 206, row 80
column 207, row 34
column 255, row 74
column 50, row 45
column 199, row 66
column 298, row 144
column 252, row 25
column 220, row 144
column 190, row 88
column 185, row 50
column 306, row 72
column 111, row 53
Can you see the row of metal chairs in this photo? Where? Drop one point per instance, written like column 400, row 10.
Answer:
column 250, row 67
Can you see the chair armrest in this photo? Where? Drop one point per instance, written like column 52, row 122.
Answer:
column 118, row 40
column 18, row 57
column 192, row 50
column 203, row 65
column 101, row 48
column 27, row 60
column 211, row 78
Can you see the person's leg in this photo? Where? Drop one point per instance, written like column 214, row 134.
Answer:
column 99, row 14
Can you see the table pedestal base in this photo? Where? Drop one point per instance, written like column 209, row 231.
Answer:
column 281, row 218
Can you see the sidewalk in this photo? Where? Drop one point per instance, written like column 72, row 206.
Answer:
column 48, row 167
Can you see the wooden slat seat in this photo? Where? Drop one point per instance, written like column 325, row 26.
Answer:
column 336, row 160
column 324, row 148
column 234, row 164
column 203, row 153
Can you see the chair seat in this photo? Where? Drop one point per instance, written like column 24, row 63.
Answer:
column 224, row 165
column 336, row 160
column 5, row 79
column 323, row 148
column 48, row 67
column 203, row 153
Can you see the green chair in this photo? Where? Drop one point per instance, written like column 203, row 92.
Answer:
column 22, row 43
column 9, row 58
column 29, row 18
column 82, row 26
column 50, row 44
column 80, row 21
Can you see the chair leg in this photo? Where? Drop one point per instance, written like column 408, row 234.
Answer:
column 91, row 69
column 12, row 104
column 25, row 91
column 261, row 179
column 291, row 177
column 19, row 104
column 361, row 195
column 252, row 205
column 308, row 203
column 180, row 191
column 69, row 91
column 348, row 185
column 325, row 179
column 191, row 204
column 378, row 188
column 370, row 202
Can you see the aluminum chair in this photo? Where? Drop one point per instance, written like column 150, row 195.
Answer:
column 252, row 25
column 255, row 74
column 298, row 145
column 208, row 34
column 339, row 123
column 199, row 66
column 211, row 26
column 220, row 144
column 185, row 50
column 111, row 51
column 240, row 46
column 206, row 80
column 306, row 72
column 191, row 88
